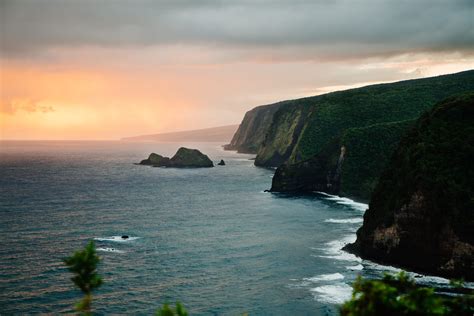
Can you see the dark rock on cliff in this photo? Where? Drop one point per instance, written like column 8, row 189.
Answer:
column 221, row 163
column 321, row 173
column 184, row 158
column 421, row 215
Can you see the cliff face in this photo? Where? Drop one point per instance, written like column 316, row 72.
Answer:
column 421, row 213
column 251, row 132
column 368, row 122
column 350, row 165
column 283, row 133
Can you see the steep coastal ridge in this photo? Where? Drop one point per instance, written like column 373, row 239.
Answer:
column 213, row 134
column 340, row 142
column 421, row 212
column 251, row 132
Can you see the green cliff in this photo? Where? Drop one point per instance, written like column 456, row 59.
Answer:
column 251, row 132
column 367, row 122
column 421, row 212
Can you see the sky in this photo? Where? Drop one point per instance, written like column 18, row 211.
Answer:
column 80, row 69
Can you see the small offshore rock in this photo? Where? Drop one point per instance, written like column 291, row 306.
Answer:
column 184, row 158
column 221, row 163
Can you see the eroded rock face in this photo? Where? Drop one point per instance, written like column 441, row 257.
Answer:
column 421, row 215
column 184, row 158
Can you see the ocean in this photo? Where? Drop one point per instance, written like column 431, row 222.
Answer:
column 210, row 238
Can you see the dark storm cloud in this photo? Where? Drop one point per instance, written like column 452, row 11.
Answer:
column 340, row 27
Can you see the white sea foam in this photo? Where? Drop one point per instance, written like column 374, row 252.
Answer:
column 355, row 268
column 334, row 250
column 325, row 277
column 346, row 201
column 422, row 279
column 380, row 267
column 110, row 250
column 345, row 220
column 116, row 239
column 334, row 294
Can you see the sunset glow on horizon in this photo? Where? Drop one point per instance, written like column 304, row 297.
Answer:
column 191, row 66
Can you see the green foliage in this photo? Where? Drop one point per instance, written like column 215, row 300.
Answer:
column 83, row 264
column 368, row 121
column 399, row 295
column 435, row 157
column 368, row 151
column 406, row 100
column 166, row 310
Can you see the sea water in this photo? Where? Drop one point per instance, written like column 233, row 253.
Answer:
column 210, row 238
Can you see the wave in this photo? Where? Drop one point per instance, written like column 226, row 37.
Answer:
column 110, row 250
column 334, row 294
column 116, row 239
column 355, row 268
column 345, row 201
column 355, row 220
column 334, row 250
column 325, row 277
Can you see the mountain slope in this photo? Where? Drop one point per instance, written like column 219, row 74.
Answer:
column 213, row 134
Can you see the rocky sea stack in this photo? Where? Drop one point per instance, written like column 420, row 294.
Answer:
column 184, row 158
column 421, row 215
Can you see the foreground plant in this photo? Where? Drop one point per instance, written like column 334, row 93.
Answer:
column 399, row 295
column 166, row 310
column 83, row 264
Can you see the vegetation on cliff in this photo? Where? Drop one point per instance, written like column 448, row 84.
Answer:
column 283, row 133
column 251, row 132
column 368, row 122
column 421, row 213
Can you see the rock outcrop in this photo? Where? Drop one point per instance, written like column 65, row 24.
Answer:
column 421, row 215
column 155, row 160
column 184, row 158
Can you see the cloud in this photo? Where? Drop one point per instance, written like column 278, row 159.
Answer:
column 24, row 104
column 315, row 29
